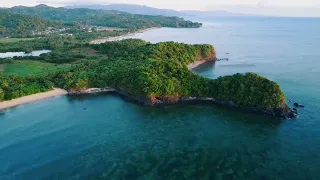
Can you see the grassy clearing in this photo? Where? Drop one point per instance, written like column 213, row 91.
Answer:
column 26, row 67
column 12, row 40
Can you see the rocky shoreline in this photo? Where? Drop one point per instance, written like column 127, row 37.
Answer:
column 281, row 112
column 196, row 64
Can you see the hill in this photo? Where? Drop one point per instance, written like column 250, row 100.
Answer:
column 24, row 25
column 131, row 8
column 139, row 9
column 108, row 18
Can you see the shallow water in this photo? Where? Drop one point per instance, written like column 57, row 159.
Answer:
column 106, row 137
column 23, row 54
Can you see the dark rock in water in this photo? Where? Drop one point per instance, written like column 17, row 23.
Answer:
column 292, row 113
column 227, row 53
column 295, row 115
column 298, row 105
column 222, row 59
column 84, row 108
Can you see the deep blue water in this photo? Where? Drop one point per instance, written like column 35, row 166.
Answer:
column 115, row 139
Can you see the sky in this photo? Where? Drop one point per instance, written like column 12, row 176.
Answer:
column 263, row 7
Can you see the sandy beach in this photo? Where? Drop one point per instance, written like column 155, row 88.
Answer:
column 32, row 98
column 103, row 40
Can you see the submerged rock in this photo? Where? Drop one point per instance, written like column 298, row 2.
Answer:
column 298, row 105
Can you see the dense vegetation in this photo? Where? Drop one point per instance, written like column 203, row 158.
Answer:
column 136, row 49
column 103, row 17
column 42, row 20
column 49, row 42
column 14, row 86
column 25, row 46
column 150, row 71
column 24, row 25
column 53, row 42
column 160, row 70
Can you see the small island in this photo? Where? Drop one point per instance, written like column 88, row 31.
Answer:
column 155, row 74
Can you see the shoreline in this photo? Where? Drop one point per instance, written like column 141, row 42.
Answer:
column 32, row 98
column 280, row 112
column 60, row 92
column 116, row 38
column 196, row 64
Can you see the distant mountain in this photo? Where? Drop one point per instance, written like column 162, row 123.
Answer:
column 131, row 8
column 108, row 18
column 138, row 9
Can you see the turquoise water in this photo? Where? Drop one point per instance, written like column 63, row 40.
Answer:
column 104, row 136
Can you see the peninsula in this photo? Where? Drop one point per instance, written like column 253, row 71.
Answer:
column 150, row 74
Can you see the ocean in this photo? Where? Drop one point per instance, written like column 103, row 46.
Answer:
column 104, row 136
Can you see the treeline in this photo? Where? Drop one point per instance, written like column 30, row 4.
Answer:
column 76, row 38
column 107, row 18
column 49, row 42
column 83, row 36
column 136, row 49
column 174, row 22
column 14, row 86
